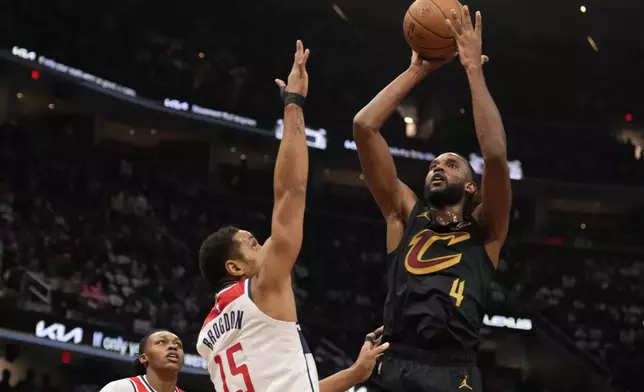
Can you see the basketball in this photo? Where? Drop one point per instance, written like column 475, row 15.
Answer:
column 426, row 31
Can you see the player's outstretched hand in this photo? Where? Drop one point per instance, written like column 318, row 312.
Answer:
column 468, row 38
column 372, row 349
column 298, row 79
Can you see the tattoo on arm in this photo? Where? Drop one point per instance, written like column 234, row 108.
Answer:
column 299, row 121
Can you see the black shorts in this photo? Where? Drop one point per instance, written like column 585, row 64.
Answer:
column 402, row 372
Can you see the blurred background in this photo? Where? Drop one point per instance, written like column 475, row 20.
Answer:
column 130, row 130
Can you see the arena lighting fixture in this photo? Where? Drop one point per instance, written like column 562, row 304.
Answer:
column 462, row 111
column 202, row 55
column 338, row 11
column 582, row 9
column 20, row 95
column 409, row 120
column 51, row 106
column 410, row 129
column 592, row 43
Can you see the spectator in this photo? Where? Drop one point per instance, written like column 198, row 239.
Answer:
column 4, row 383
column 28, row 384
column 46, row 384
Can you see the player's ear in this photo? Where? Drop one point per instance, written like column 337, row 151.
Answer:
column 234, row 268
column 471, row 188
column 144, row 360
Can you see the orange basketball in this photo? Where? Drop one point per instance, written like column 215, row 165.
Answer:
column 426, row 31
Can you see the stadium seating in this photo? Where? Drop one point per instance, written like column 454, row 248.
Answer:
column 115, row 240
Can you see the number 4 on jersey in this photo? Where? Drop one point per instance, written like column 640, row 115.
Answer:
column 234, row 369
column 458, row 287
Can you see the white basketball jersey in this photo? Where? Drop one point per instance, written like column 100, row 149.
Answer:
column 246, row 350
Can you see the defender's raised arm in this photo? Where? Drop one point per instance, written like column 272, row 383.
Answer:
column 290, row 178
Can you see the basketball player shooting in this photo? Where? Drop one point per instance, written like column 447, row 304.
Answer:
column 251, row 339
column 442, row 252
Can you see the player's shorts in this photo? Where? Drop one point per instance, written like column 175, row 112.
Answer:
column 412, row 370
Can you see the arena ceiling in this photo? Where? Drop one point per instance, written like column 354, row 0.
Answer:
column 607, row 20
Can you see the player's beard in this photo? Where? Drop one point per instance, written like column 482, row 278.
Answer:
column 451, row 195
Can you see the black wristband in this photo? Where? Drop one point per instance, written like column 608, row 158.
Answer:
column 289, row 98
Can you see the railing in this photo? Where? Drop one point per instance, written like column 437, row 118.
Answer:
column 33, row 287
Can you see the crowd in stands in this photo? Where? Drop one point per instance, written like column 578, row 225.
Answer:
column 28, row 384
column 115, row 239
column 594, row 296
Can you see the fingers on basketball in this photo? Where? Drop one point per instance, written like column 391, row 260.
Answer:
column 452, row 29
column 467, row 18
column 479, row 24
column 455, row 23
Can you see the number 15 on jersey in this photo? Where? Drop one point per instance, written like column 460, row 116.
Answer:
column 233, row 369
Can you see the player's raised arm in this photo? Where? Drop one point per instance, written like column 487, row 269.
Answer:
column 394, row 198
column 496, row 194
column 290, row 178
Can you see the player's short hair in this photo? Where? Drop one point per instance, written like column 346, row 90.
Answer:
column 471, row 201
column 475, row 178
column 139, row 368
column 215, row 250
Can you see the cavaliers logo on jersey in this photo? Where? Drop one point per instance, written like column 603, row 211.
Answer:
column 415, row 261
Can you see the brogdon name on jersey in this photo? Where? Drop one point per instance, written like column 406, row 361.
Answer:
column 247, row 350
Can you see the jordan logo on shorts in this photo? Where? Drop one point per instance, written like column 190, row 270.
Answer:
column 464, row 384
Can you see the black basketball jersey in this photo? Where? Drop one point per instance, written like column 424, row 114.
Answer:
column 438, row 279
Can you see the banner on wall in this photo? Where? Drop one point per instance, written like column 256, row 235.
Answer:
column 315, row 138
column 498, row 321
column 88, row 339
column 212, row 113
column 26, row 54
column 99, row 341
column 516, row 171
column 116, row 90
column 397, row 152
